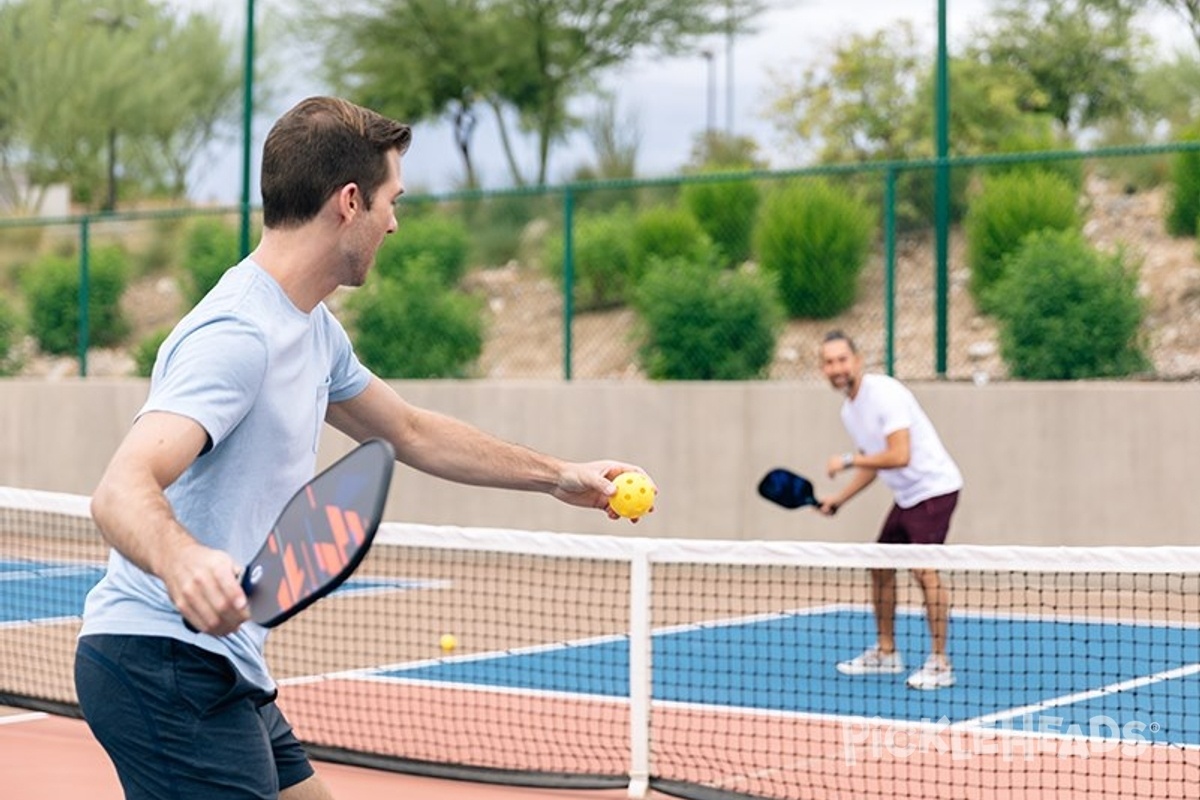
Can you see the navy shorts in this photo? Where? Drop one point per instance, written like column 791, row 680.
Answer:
column 928, row 522
column 180, row 722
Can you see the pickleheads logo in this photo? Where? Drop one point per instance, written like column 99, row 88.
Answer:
column 1011, row 739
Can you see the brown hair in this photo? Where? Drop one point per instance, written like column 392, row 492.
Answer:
column 319, row 146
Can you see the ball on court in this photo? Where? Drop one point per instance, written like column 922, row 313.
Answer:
column 634, row 496
column 448, row 642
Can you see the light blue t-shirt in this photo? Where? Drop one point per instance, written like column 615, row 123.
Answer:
column 257, row 374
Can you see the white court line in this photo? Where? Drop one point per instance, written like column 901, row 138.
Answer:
column 16, row 719
column 1078, row 697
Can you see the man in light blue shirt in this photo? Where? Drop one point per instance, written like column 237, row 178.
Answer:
column 239, row 394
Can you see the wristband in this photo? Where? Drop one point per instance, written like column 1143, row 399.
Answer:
column 847, row 460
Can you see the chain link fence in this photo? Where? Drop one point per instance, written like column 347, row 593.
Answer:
column 560, row 274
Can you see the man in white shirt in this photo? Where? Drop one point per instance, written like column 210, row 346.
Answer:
column 895, row 440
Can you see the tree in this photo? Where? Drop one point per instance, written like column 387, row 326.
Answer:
column 1081, row 54
column 523, row 60
column 90, row 94
column 614, row 141
column 858, row 103
column 411, row 59
column 871, row 99
column 1189, row 10
column 196, row 104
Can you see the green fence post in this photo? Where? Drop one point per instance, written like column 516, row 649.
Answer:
column 84, row 291
column 568, row 277
column 942, row 192
column 247, row 122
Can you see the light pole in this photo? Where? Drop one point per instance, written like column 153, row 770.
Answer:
column 729, row 26
column 710, row 95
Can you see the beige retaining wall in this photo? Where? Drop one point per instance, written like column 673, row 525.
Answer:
column 1061, row 463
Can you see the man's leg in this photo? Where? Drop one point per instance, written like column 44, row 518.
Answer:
column 177, row 721
column 312, row 788
column 937, row 610
column 883, row 598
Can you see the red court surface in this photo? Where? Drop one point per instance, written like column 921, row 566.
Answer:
column 50, row 758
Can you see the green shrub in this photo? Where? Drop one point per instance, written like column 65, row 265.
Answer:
column 1009, row 208
column 51, row 287
column 814, row 239
column 1038, row 137
column 1183, row 208
column 10, row 335
column 210, row 248
column 1067, row 311
column 916, row 197
column 663, row 233
column 146, row 351
column 725, row 210
column 412, row 326
column 602, row 263
column 700, row 322
column 434, row 243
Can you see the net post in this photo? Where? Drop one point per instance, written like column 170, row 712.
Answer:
column 639, row 670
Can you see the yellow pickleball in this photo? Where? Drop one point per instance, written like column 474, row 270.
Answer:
column 634, row 496
column 448, row 642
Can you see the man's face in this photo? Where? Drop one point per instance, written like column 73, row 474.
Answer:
column 376, row 223
column 841, row 365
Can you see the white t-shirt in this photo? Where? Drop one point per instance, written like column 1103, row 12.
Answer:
column 883, row 406
column 257, row 374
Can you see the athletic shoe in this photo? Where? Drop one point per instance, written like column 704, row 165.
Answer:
column 936, row 673
column 872, row 661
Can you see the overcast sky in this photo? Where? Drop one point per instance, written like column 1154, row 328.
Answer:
column 666, row 101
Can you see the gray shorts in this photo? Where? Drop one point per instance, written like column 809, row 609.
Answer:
column 180, row 723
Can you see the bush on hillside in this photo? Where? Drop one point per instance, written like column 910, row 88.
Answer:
column 814, row 239
column 1009, row 208
column 210, row 247
column 1067, row 311
column 412, row 326
column 700, row 322
column 52, row 289
column 725, row 210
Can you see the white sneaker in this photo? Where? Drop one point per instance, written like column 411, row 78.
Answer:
column 872, row 661
column 936, row 673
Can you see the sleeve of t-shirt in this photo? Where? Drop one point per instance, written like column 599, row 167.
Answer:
column 894, row 411
column 211, row 374
column 348, row 377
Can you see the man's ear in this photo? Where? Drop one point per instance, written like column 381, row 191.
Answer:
column 350, row 200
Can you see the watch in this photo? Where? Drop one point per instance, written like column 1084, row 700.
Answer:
column 847, row 460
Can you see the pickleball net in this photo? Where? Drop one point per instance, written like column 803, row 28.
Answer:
column 698, row 668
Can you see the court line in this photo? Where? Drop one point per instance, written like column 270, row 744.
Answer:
column 16, row 719
column 1090, row 694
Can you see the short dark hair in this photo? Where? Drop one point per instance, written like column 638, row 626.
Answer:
column 838, row 336
column 317, row 147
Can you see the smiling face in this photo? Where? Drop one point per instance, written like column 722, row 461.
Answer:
column 841, row 365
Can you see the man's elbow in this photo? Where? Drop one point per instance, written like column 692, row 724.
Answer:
column 104, row 505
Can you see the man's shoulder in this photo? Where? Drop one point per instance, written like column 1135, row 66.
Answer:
column 878, row 382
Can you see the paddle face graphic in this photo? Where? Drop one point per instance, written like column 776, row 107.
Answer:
column 321, row 536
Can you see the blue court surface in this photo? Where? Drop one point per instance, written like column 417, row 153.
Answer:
column 33, row 592
column 1034, row 674
column 1095, row 678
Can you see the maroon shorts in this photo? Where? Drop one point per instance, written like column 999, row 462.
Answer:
column 927, row 522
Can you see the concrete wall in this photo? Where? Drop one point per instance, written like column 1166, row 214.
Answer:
column 1044, row 463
